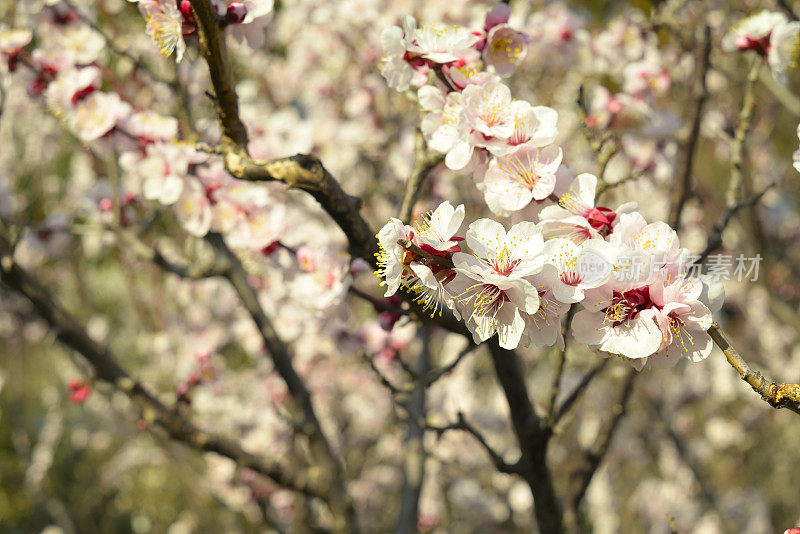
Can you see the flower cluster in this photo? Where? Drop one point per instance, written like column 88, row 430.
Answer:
column 519, row 283
column 628, row 276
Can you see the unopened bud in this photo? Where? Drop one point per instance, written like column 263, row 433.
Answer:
column 236, row 13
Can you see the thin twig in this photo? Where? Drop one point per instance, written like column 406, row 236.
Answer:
column 424, row 162
column 462, row 424
column 683, row 186
column 578, row 390
column 590, row 460
column 555, row 384
column 436, row 374
column 776, row 395
column 714, row 240
column 739, row 136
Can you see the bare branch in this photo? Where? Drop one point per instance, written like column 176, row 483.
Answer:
column 105, row 366
column 683, row 186
column 282, row 360
column 403, row 390
column 413, row 448
column 578, row 391
column 424, row 162
column 462, row 424
column 532, row 434
column 714, row 240
column 737, row 143
column 590, row 460
column 436, row 374
column 776, row 395
column 555, row 384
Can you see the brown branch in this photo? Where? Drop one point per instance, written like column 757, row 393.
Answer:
column 413, row 447
column 714, row 240
column 215, row 52
column 424, row 162
column 776, row 395
column 436, row 374
column 590, row 460
column 683, row 186
column 577, row 391
column 153, row 411
column 555, row 383
column 401, row 391
column 532, row 434
column 438, row 260
column 739, row 136
column 301, row 397
column 462, row 424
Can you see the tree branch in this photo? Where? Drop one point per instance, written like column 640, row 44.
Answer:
column 413, row 448
column 462, row 424
column 714, row 240
column 737, row 143
column 424, row 162
column 582, row 475
column 105, row 366
column 577, row 391
column 683, row 189
column 532, row 434
column 776, row 395
column 282, row 360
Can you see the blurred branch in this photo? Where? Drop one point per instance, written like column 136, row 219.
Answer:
column 424, row 162
column 737, row 143
column 400, row 391
column 784, row 95
column 69, row 332
column 604, row 187
column 555, row 384
column 597, row 145
column 463, row 424
column 683, row 186
column 138, row 64
column 776, row 395
column 577, row 391
column 589, row 461
column 685, row 454
column 787, row 7
column 436, row 374
column 714, row 240
column 282, row 360
column 532, row 434
column 413, row 448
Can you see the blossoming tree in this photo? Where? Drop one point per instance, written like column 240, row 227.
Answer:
column 206, row 231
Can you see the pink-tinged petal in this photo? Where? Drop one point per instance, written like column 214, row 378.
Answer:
column 459, row 156
column 484, row 236
column 544, row 186
column 510, row 334
column 588, row 327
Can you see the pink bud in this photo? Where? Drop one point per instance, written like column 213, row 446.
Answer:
column 498, row 15
column 269, row 249
column 79, row 390
column 236, row 13
column 105, row 204
column 387, row 320
column 186, row 10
